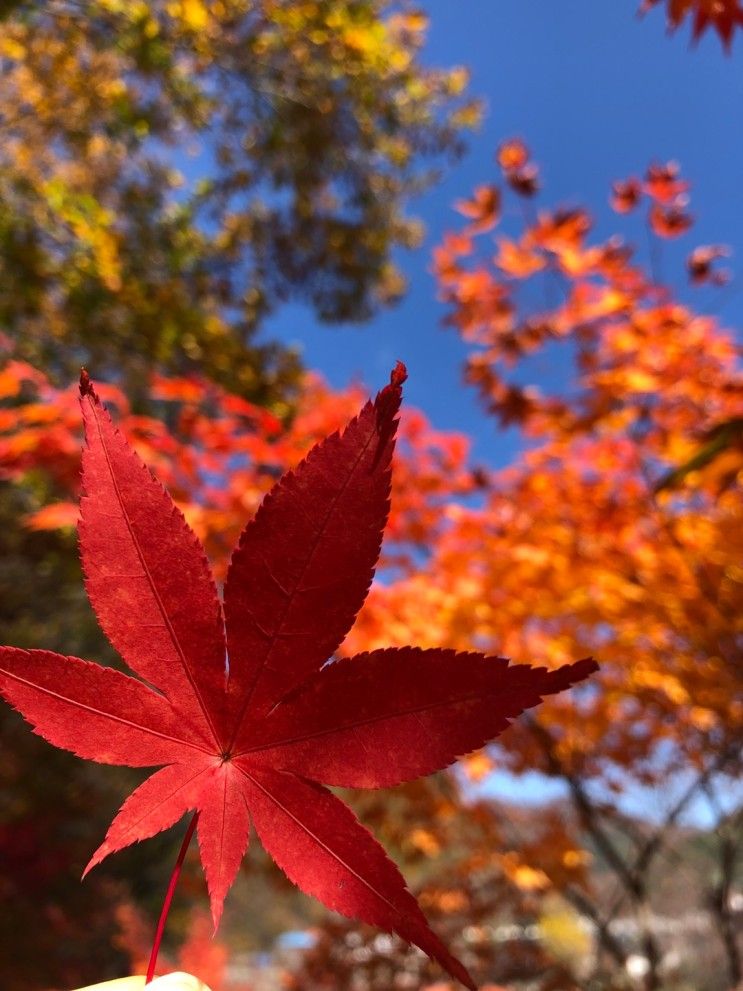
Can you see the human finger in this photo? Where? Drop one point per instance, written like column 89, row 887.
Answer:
column 168, row 982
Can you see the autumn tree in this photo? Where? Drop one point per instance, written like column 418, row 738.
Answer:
column 172, row 171
column 616, row 532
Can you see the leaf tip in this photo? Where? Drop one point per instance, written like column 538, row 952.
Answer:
column 572, row 674
column 93, row 862
column 86, row 386
column 587, row 666
column 399, row 374
column 216, row 907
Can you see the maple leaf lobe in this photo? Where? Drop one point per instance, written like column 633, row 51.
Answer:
column 304, row 564
column 147, row 576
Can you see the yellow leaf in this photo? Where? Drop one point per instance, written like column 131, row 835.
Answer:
column 562, row 931
column 478, row 766
column 425, row 841
column 195, row 14
column 576, row 858
column 10, row 48
column 530, row 879
column 639, row 380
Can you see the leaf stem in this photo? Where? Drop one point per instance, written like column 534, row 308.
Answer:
column 169, row 897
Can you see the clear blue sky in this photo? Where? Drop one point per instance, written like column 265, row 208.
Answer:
column 597, row 93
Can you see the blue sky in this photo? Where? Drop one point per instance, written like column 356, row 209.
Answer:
column 597, row 93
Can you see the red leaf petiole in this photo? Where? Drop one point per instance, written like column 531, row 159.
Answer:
column 169, row 897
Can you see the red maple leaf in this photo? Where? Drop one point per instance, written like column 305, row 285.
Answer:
column 239, row 703
column 722, row 15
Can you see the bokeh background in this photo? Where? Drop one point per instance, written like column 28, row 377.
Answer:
column 238, row 214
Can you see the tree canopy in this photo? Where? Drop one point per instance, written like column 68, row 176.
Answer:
column 171, row 172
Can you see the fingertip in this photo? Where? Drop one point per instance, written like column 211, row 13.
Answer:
column 177, row 981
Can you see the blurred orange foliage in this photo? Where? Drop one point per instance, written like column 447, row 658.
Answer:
column 218, row 454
